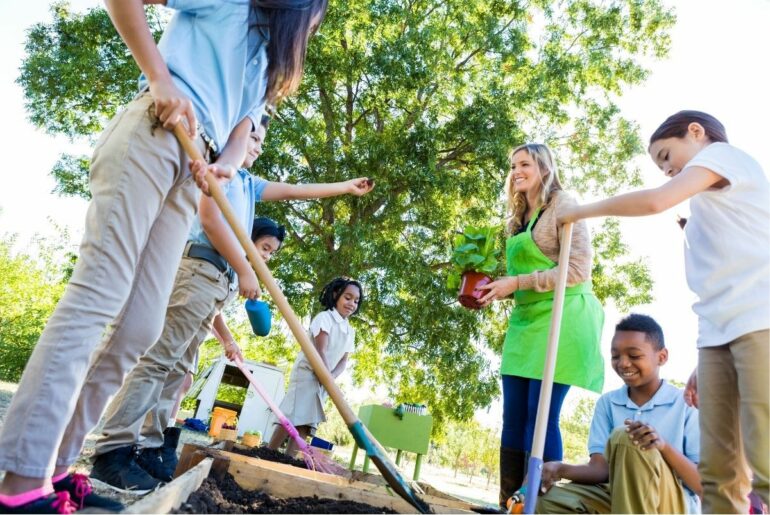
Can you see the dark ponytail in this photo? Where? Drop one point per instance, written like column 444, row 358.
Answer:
column 676, row 126
column 291, row 26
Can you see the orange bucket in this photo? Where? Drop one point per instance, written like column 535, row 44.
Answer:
column 221, row 416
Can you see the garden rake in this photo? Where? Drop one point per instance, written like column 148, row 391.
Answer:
column 314, row 458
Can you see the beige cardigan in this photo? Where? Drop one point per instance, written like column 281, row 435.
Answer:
column 546, row 235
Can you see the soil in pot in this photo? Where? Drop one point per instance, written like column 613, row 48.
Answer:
column 225, row 496
column 469, row 296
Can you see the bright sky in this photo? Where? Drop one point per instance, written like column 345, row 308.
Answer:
column 717, row 64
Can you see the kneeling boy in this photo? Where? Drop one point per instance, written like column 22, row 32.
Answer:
column 643, row 442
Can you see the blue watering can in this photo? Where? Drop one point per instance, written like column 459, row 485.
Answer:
column 259, row 316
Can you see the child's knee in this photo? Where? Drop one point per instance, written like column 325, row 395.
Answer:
column 619, row 436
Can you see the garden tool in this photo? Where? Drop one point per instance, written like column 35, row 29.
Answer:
column 363, row 438
column 535, row 468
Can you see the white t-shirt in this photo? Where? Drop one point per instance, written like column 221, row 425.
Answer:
column 727, row 247
column 341, row 335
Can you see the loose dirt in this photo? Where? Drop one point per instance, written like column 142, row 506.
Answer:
column 225, row 496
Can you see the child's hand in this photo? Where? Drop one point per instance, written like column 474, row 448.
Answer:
column 232, row 351
column 248, row 286
column 360, row 186
column 171, row 105
column 550, row 475
column 691, row 390
column 644, row 436
column 498, row 289
column 199, row 169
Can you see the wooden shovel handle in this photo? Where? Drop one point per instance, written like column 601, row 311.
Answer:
column 264, row 274
column 546, row 388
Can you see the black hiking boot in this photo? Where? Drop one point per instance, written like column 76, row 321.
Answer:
column 168, row 451
column 82, row 494
column 118, row 469
column 58, row 502
column 513, row 468
column 149, row 460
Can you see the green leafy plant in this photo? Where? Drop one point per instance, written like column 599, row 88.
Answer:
column 475, row 250
column 254, row 432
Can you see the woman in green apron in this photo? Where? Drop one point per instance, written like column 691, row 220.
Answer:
column 532, row 249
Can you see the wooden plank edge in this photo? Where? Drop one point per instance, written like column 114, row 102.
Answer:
column 172, row 495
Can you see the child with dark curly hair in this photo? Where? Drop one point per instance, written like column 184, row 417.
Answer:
column 333, row 337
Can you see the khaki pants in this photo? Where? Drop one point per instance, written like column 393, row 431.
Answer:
column 143, row 202
column 733, row 390
column 200, row 291
column 640, row 482
column 159, row 418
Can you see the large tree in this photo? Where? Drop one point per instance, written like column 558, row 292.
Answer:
column 426, row 98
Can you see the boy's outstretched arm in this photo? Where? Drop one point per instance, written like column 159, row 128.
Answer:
column 285, row 191
column 684, row 185
column 594, row 472
column 171, row 106
column 646, row 437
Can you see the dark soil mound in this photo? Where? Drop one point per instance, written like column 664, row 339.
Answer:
column 225, row 496
column 270, row 455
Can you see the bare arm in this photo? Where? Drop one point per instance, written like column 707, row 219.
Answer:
column 340, row 368
column 596, row 471
column 284, row 191
column 222, row 238
column 129, row 19
column 686, row 184
column 321, row 343
column 225, row 337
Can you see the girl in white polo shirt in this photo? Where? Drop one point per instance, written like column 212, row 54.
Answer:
column 334, row 338
column 727, row 262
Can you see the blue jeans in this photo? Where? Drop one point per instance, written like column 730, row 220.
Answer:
column 520, row 397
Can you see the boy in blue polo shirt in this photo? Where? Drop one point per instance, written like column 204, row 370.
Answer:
column 643, row 442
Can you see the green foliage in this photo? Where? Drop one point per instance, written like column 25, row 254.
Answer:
column 574, row 430
column 476, row 249
column 469, row 448
column 31, row 286
column 426, row 98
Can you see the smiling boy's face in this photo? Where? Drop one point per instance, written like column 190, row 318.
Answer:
column 635, row 358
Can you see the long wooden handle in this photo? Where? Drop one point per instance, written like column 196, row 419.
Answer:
column 546, row 388
column 264, row 274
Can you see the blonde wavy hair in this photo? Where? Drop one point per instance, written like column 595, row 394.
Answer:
column 549, row 183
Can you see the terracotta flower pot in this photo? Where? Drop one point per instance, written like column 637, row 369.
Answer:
column 228, row 434
column 469, row 294
column 251, row 440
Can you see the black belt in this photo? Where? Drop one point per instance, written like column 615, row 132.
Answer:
column 206, row 253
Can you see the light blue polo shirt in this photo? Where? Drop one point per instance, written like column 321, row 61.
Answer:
column 672, row 418
column 216, row 53
column 243, row 192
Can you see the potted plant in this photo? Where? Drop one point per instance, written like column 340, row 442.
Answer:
column 252, row 438
column 228, row 432
column 474, row 261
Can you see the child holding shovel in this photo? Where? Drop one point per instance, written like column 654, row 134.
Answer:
column 334, row 338
column 213, row 64
column 727, row 262
column 129, row 454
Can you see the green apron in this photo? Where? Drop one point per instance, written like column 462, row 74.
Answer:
column 579, row 360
